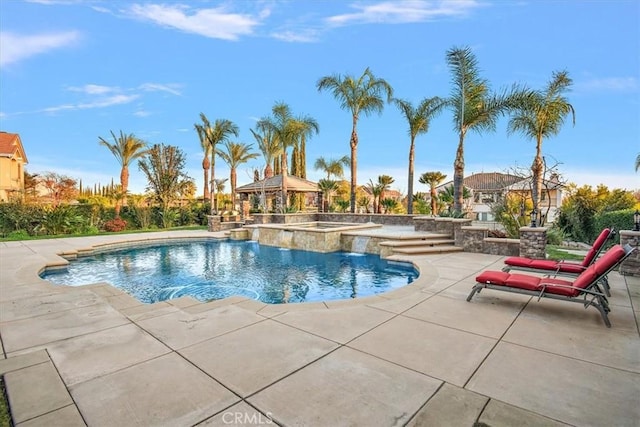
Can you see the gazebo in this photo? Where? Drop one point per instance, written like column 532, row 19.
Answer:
column 270, row 188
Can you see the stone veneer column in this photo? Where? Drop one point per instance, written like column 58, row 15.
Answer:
column 213, row 222
column 456, row 225
column 473, row 238
column 533, row 242
column 631, row 265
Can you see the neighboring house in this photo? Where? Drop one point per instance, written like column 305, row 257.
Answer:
column 488, row 188
column 12, row 161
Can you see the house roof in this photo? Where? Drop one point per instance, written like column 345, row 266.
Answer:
column 274, row 183
column 11, row 146
column 487, row 181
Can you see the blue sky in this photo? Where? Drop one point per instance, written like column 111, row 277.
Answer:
column 72, row 71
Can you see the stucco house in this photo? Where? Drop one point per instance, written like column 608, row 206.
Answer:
column 12, row 161
column 488, row 187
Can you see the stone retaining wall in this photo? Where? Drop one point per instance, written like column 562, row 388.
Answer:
column 631, row 266
column 533, row 242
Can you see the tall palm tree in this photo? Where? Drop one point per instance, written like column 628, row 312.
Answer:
column 638, row 162
column 358, row 95
column 418, row 119
column 269, row 147
column 542, row 116
column 287, row 130
column 432, row 179
column 235, row 154
column 332, row 166
column 206, row 163
column 125, row 148
column 474, row 108
column 220, row 132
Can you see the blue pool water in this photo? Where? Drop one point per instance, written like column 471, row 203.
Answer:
column 210, row 270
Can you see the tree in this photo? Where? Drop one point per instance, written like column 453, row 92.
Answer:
column 418, row 119
column 637, row 162
column 269, row 147
column 332, row 166
column 384, row 181
column 164, row 168
column 125, row 148
column 219, row 183
column 61, row 188
column 288, row 130
column 235, row 154
column 220, row 132
column 327, row 186
column 206, row 163
column 376, row 191
column 358, row 95
column 446, row 196
column 432, row 179
column 541, row 116
column 474, row 108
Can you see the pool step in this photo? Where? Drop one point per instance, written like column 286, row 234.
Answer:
column 430, row 244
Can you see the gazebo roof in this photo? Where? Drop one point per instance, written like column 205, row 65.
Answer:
column 294, row 184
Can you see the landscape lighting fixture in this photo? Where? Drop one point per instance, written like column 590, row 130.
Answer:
column 534, row 218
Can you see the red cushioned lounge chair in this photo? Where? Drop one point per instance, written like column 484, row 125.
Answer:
column 584, row 289
column 563, row 268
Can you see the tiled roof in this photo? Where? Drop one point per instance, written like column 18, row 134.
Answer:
column 274, row 183
column 487, row 181
column 10, row 145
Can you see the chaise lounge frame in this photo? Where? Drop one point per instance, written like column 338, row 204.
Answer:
column 548, row 287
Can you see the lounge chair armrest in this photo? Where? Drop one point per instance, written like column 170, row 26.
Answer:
column 557, row 285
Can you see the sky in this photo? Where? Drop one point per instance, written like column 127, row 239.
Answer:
column 72, row 71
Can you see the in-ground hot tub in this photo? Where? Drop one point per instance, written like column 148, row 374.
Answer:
column 309, row 236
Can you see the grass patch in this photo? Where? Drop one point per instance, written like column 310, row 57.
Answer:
column 104, row 233
column 5, row 416
column 558, row 253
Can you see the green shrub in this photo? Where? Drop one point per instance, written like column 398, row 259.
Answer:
column 18, row 235
column 555, row 236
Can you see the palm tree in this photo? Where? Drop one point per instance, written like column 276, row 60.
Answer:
column 305, row 127
column 219, row 183
column 418, row 119
column 384, row 181
column 358, row 95
column 432, row 179
column 327, row 186
column 220, row 132
column 638, row 162
column 376, row 192
column 542, row 116
column 288, row 131
column 125, row 148
column 474, row 108
column 269, row 147
column 234, row 154
column 332, row 166
column 206, row 148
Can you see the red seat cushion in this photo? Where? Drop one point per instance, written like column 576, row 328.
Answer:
column 523, row 281
column 493, row 277
column 597, row 244
column 517, row 261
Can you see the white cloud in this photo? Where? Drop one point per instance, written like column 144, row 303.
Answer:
column 214, row 23
column 612, row 84
column 404, row 11
column 17, row 47
column 99, row 103
column 154, row 87
column 142, row 113
column 92, row 89
column 305, row 36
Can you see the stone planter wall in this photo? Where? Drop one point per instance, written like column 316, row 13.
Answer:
column 631, row 265
column 503, row 247
column 213, row 223
column 533, row 242
column 425, row 223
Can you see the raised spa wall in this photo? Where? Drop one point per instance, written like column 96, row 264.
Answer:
column 304, row 236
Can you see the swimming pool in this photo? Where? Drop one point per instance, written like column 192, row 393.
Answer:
column 209, row 270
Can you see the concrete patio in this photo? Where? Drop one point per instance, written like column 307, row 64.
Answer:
column 417, row 356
